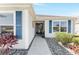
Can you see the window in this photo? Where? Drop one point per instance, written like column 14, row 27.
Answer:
column 55, row 26
column 6, row 29
column 63, row 27
column 6, row 23
column 59, row 26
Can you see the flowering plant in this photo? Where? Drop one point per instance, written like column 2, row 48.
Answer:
column 7, row 40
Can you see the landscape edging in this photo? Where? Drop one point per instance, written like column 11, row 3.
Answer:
column 67, row 49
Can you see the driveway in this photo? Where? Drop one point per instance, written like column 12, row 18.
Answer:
column 39, row 47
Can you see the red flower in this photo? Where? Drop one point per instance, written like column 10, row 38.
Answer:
column 7, row 39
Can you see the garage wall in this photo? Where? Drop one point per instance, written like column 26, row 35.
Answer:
column 23, row 43
column 27, row 31
column 27, row 28
column 31, row 29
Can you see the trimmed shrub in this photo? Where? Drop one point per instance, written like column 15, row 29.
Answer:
column 63, row 37
column 75, row 40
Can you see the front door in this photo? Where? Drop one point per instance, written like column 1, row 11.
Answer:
column 39, row 29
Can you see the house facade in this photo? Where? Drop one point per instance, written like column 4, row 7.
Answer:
column 21, row 20
column 53, row 24
column 17, row 19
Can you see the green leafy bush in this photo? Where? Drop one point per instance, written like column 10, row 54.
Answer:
column 63, row 37
column 75, row 40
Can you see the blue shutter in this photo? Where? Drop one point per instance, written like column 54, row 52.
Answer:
column 19, row 24
column 69, row 26
column 50, row 26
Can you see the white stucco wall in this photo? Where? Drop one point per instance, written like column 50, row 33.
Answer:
column 47, row 34
column 31, row 30
column 76, row 28
column 23, row 43
column 27, row 31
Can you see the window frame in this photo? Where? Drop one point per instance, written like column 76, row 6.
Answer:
column 60, row 24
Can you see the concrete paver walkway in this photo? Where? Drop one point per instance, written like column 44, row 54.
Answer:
column 39, row 47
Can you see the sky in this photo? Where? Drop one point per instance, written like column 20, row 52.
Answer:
column 57, row 9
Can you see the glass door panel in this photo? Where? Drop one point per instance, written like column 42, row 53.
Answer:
column 56, row 26
column 63, row 26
